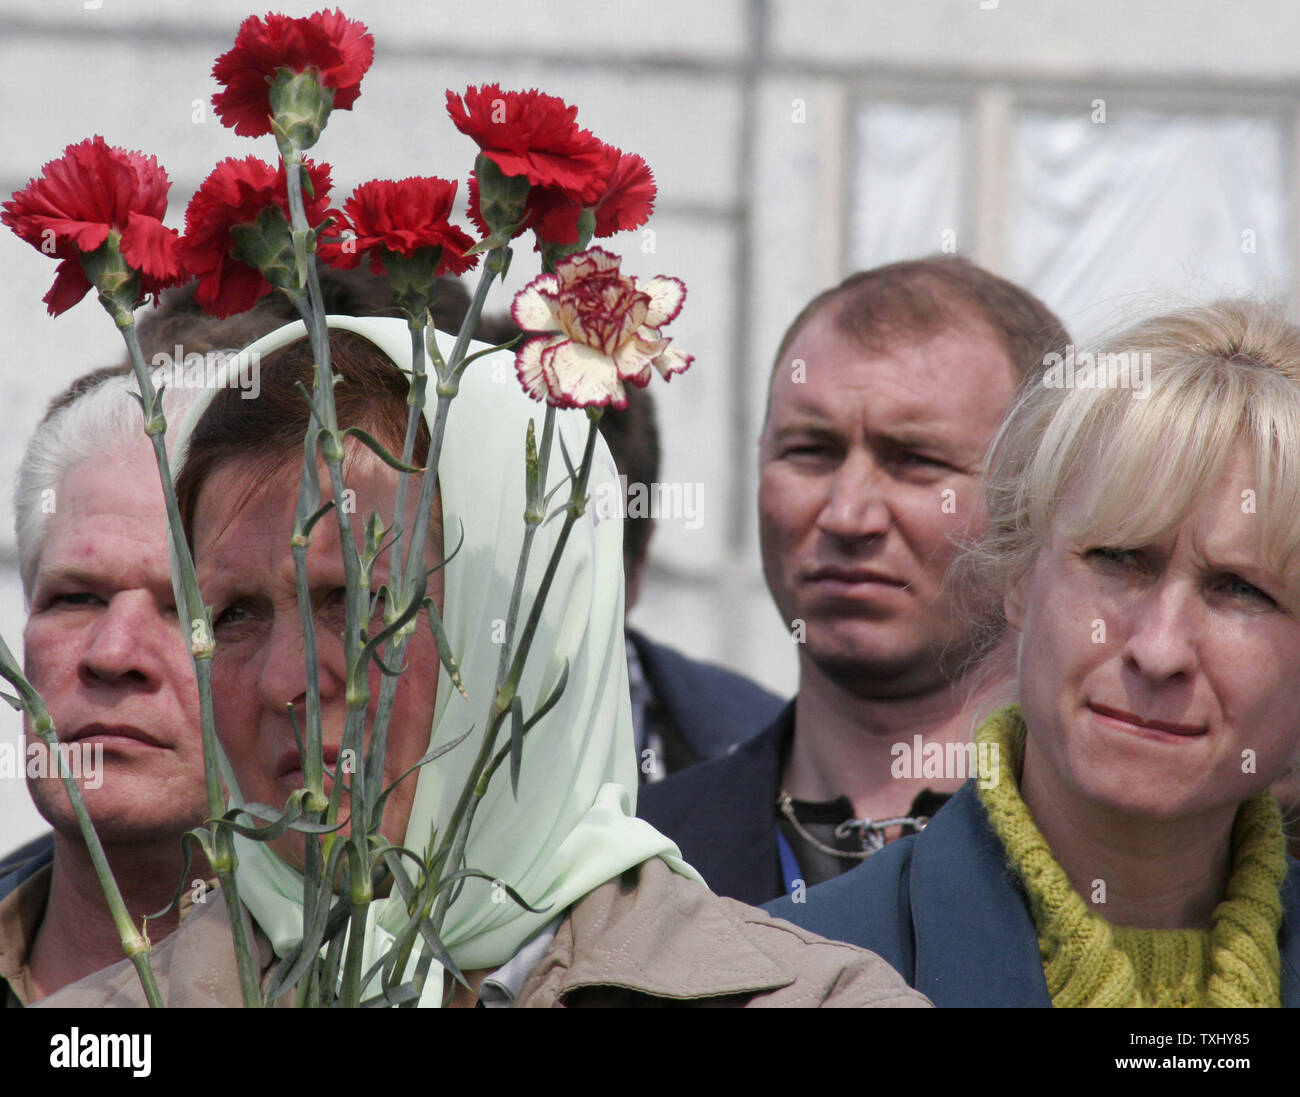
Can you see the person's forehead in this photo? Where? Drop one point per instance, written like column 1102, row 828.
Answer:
column 241, row 497
column 953, row 375
column 108, row 515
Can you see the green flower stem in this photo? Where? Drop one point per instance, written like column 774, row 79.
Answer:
column 448, row 385
column 361, row 895
column 396, row 647
column 416, row 400
column 134, row 944
column 357, row 688
column 496, row 262
column 534, row 512
column 404, row 566
column 197, row 629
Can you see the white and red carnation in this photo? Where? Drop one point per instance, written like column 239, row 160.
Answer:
column 602, row 331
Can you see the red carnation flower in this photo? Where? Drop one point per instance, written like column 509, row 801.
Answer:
column 234, row 194
column 625, row 201
column 92, row 190
column 340, row 49
column 401, row 218
column 534, row 135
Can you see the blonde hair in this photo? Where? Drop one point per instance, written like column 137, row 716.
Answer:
column 1220, row 376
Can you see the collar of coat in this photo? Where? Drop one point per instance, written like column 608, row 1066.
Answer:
column 652, row 933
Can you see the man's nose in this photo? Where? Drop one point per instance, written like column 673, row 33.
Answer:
column 123, row 645
column 855, row 506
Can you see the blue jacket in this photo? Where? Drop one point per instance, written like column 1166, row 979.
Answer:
column 25, row 862
column 945, row 910
column 713, row 708
column 722, row 814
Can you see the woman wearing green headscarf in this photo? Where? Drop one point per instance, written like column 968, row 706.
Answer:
column 623, row 920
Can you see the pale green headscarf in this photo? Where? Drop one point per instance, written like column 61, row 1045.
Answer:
column 573, row 827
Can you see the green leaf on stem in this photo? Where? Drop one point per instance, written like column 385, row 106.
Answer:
column 467, row 873
column 431, row 756
column 568, row 461
column 300, row 957
column 315, row 517
column 550, row 702
column 507, row 345
column 397, row 996
column 445, row 654
column 516, row 741
column 377, row 447
column 188, row 839
column 288, row 819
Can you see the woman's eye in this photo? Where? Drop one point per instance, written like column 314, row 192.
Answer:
column 333, row 607
column 231, row 615
column 1115, row 556
column 1236, row 586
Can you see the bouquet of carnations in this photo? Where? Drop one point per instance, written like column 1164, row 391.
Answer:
column 255, row 228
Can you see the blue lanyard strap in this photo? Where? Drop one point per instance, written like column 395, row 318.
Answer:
column 790, row 873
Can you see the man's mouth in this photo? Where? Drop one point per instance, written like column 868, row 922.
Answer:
column 849, row 575
column 106, row 732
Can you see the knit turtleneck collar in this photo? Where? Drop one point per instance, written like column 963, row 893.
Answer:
column 1089, row 962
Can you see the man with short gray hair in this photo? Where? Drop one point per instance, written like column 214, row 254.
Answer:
column 104, row 648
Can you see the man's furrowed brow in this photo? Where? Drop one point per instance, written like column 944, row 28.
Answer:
column 58, row 575
column 804, row 426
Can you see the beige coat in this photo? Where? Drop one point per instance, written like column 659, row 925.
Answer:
column 646, row 938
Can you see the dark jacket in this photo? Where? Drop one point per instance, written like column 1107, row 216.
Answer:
column 945, row 910
column 722, row 814
column 711, row 708
column 25, row 862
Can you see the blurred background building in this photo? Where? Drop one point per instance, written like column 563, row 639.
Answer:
column 1113, row 156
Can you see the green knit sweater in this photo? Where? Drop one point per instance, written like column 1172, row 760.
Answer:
column 1089, row 962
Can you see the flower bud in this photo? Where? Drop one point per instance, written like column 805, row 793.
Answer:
column 414, row 280
column 118, row 284
column 502, row 197
column 300, row 107
column 267, row 244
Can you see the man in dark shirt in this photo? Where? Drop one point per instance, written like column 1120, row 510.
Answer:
column 884, row 396
column 683, row 711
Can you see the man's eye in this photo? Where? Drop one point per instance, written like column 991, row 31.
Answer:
column 76, row 598
column 920, row 460
column 806, row 449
